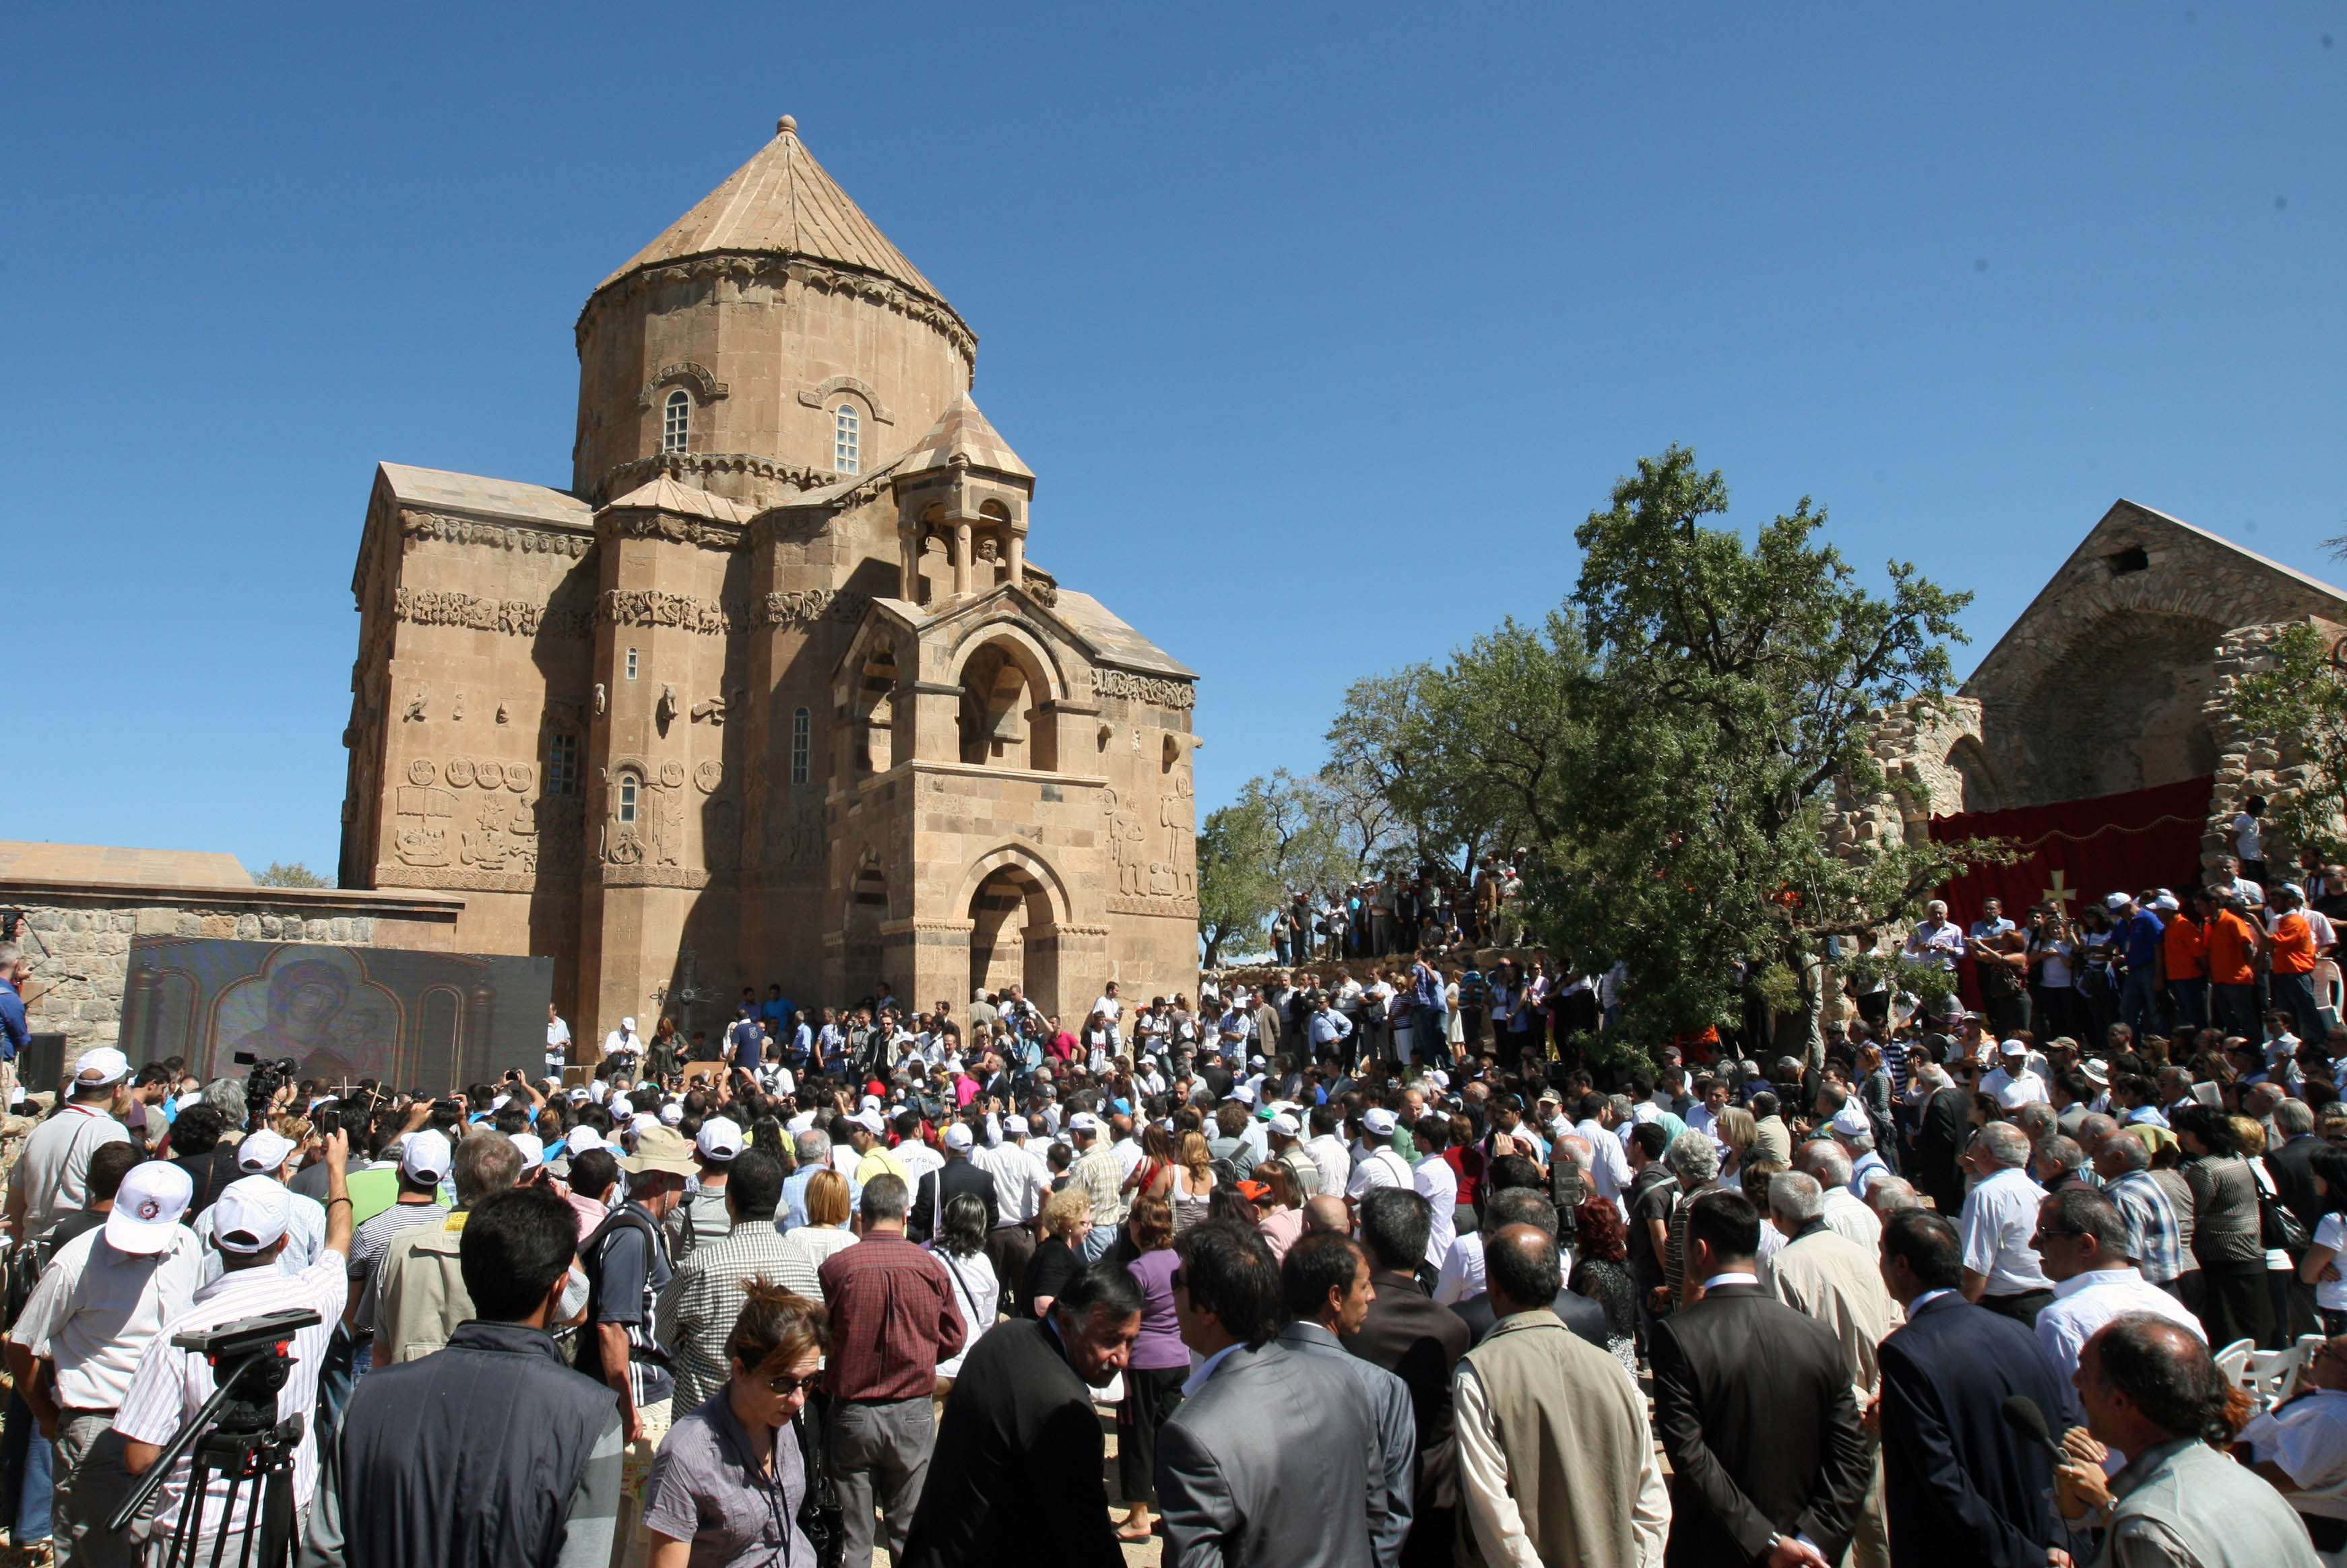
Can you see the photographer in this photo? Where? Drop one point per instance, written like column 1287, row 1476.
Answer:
column 249, row 1223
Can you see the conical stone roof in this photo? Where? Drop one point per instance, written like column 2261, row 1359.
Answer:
column 781, row 202
column 961, row 431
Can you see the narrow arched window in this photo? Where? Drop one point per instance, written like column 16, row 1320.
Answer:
column 848, row 439
column 676, row 423
column 627, row 789
column 801, row 733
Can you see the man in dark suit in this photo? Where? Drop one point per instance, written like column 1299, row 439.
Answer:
column 1960, row 1486
column 1261, row 1427
column 1753, row 1405
column 949, row 1181
column 1524, row 1207
column 1016, row 1475
column 1944, row 1130
column 1420, row 1341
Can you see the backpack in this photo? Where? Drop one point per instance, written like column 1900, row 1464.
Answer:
column 590, row 1345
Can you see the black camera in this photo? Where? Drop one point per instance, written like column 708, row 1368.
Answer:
column 268, row 1078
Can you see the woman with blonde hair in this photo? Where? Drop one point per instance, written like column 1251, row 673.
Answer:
column 1066, row 1219
column 727, row 1482
column 825, row 1232
column 1194, row 1183
column 1737, row 1130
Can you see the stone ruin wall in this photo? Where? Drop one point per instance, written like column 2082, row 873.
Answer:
column 2247, row 764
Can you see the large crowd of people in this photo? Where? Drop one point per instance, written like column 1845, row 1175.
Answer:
column 1364, row 1276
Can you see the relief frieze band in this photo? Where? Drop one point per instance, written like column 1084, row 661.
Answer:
column 416, row 527
column 649, row 607
column 811, row 605
column 514, row 616
column 1153, row 689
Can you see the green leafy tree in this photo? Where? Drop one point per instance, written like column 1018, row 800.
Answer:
column 1725, row 710
column 1280, row 832
column 292, row 874
column 2300, row 701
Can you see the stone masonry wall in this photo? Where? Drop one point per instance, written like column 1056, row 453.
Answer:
column 79, row 942
column 2247, row 764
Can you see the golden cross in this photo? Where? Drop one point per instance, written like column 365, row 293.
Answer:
column 2060, row 894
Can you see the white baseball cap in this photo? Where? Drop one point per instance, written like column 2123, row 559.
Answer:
column 532, row 1148
column 580, row 1139
column 720, row 1138
column 1851, row 1120
column 256, row 1208
column 263, row 1153
column 427, row 1156
column 2014, row 1048
column 1242, row 1092
column 1379, row 1122
column 671, row 1113
column 1083, row 1121
column 1286, row 1125
column 1015, row 1124
column 103, row 1065
column 148, row 1207
column 870, row 1120
column 627, row 1026
column 958, row 1137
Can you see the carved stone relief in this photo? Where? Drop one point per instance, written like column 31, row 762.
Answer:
column 811, row 605
column 720, row 834
column 1165, row 694
column 712, row 709
column 416, row 839
column 418, row 527
column 421, row 772
column 649, row 607
column 708, row 774
column 513, row 617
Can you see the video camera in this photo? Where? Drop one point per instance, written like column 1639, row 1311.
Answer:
column 268, row 1078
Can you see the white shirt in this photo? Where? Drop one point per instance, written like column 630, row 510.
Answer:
column 1848, row 1217
column 1490, row 1503
column 1335, row 1162
column 1382, row 1168
column 2000, row 1216
column 2248, row 837
column 1463, row 1273
column 171, row 1384
column 2308, row 1439
column 2084, row 1303
column 976, row 1291
column 55, row 1165
column 1609, row 1169
column 619, row 1044
column 1437, row 1183
column 1022, row 1180
column 1128, row 1155
column 1109, row 1007
column 557, row 1034
column 2013, row 1089
column 919, row 1160
column 98, row 1308
column 2330, row 1230
column 1206, row 1368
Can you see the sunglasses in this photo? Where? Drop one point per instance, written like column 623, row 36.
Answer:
column 783, row 1388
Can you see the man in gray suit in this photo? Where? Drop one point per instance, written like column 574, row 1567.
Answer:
column 1257, row 1467
column 1326, row 1282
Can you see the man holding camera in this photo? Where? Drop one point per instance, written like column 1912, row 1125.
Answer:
column 249, row 1223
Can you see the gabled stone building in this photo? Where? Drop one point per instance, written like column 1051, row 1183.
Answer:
column 2118, row 676
column 773, row 693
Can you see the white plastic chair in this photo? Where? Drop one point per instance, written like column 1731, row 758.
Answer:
column 2233, row 1362
column 2271, row 1374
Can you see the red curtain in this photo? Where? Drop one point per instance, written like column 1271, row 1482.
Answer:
column 2077, row 851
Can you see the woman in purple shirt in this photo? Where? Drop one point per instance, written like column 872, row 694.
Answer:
column 1160, row 1365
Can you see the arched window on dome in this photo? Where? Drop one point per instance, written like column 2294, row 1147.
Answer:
column 848, row 439
column 676, row 421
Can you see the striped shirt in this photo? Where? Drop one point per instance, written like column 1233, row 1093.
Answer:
column 172, row 1384
column 2154, row 1240
column 698, row 1306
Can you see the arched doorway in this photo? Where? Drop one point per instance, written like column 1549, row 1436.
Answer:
column 1012, row 939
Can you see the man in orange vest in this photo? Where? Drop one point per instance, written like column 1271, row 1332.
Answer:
column 2293, row 948
column 2233, row 945
column 2186, row 960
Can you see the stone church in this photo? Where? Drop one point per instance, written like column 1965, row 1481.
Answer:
column 775, row 693
column 2118, row 677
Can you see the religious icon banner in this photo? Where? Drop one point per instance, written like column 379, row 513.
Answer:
column 2077, row 851
column 405, row 1018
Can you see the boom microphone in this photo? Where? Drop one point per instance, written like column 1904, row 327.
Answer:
column 2024, row 1415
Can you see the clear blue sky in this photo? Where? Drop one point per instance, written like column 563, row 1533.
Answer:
column 1323, row 325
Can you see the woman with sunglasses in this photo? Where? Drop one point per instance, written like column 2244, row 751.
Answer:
column 729, row 1479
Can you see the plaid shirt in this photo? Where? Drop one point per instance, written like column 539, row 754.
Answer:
column 893, row 1319
column 698, row 1307
column 2152, row 1236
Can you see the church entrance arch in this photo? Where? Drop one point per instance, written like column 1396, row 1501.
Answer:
column 1014, row 939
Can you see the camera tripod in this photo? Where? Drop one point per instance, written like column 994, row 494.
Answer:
column 235, row 1437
